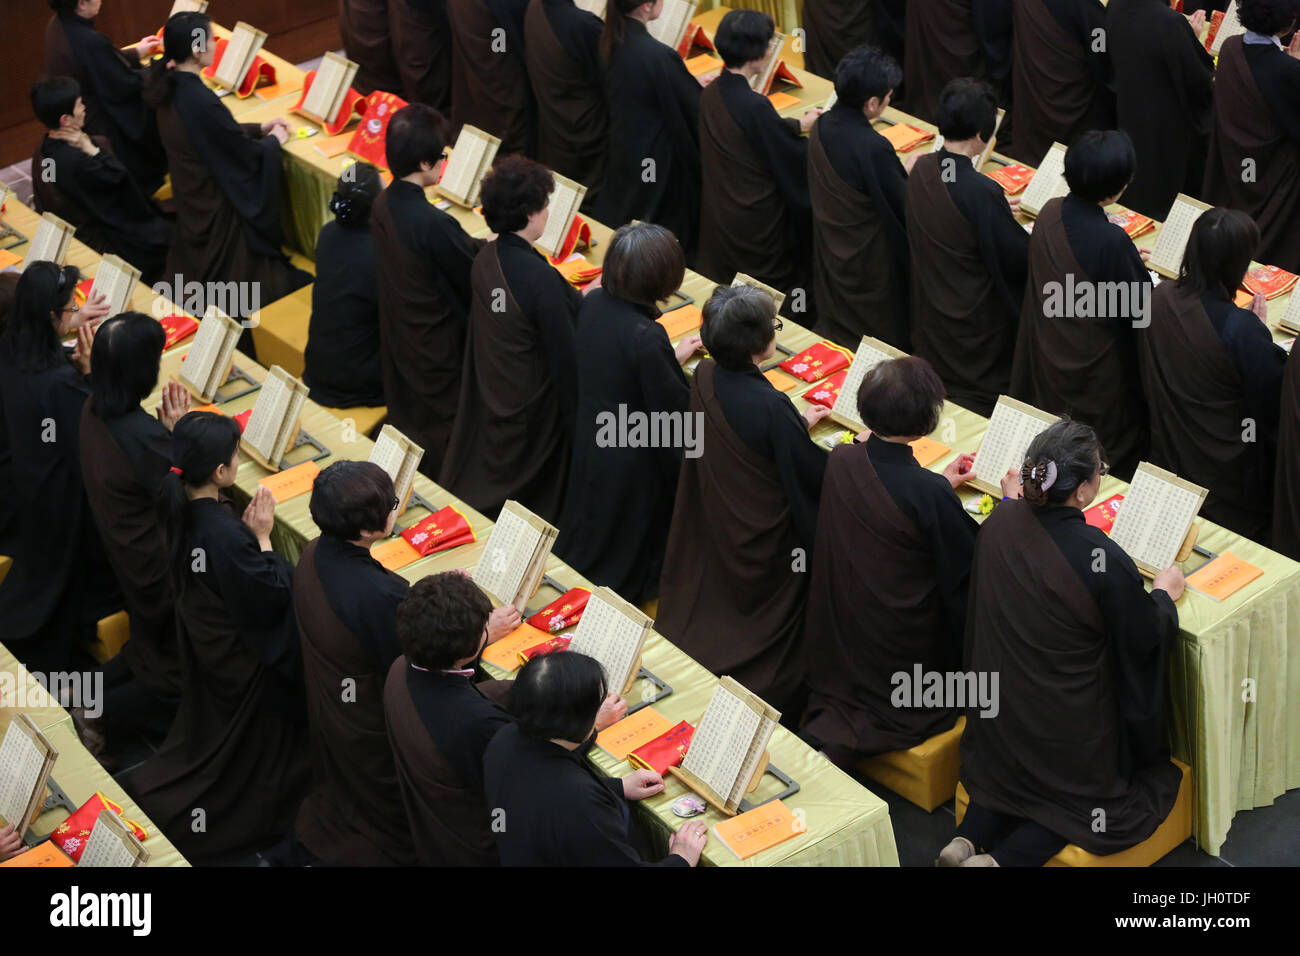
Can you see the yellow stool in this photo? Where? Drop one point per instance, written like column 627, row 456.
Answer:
column 364, row 417
column 1172, row 833
column 926, row 774
column 110, row 634
column 6, row 563
column 280, row 331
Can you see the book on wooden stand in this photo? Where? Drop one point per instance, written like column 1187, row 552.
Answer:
column 774, row 68
column 1012, row 426
column 207, row 364
column 1048, row 182
column 743, row 279
column 871, row 352
column 670, row 27
column 51, row 242
column 26, row 759
column 1291, row 317
column 115, row 279
column 327, row 90
column 728, row 752
column 273, row 427
column 1171, row 244
column 238, row 56
column 565, row 229
column 514, row 558
column 1225, row 29
column 471, row 158
column 112, row 844
column 400, row 457
column 1155, row 525
column 613, row 632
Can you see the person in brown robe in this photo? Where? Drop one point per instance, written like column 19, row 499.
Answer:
column 1061, row 74
column 513, row 436
column 1087, row 299
column 421, row 41
column 1074, row 733
column 942, row 45
column 833, row 28
column 1286, row 485
column 489, row 73
column 1213, row 377
column 366, row 27
column 1254, row 160
column 757, row 217
column 734, row 587
column 858, row 191
column 888, row 589
column 563, row 54
column 424, row 287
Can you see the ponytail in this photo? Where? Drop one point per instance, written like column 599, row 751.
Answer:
column 1058, row 461
column 201, row 443
column 616, row 17
column 179, row 37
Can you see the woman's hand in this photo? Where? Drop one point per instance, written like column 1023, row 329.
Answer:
column 1145, row 253
column 96, row 308
column 640, row 784
column 687, row 347
column 1197, row 20
column 148, row 46
column 611, row 711
column 175, row 404
column 81, row 352
column 1011, row 484
column 502, row 621
column 278, row 127
column 688, row 842
column 1171, row 581
column 11, row 844
column 1259, row 304
column 814, row 413
column 809, row 118
column 960, row 470
column 260, row 516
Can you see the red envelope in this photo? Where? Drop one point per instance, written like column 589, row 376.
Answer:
column 445, row 528
column 71, row 835
column 815, row 363
column 827, row 391
column 664, row 751
column 564, row 611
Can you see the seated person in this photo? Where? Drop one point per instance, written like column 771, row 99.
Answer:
column 341, row 360
column 557, row 809
column 79, row 179
column 1061, row 614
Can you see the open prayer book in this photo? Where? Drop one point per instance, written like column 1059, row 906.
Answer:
column 613, row 632
column 26, row 758
column 871, row 352
column 188, row 6
column 207, row 364
column 115, row 279
column 242, row 49
column 273, row 426
column 329, row 88
column 471, row 158
column 773, row 66
column 1291, row 317
column 51, row 242
column 400, row 457
column 514, row 558
column 728, row 752
column 1155, row 517
column 742, row 279
column 111, row 843
column 1230, row 27
column 566, row 198
column 1167, row 256
column 670, row 26
column 977, row 161
column 1012, row 426
column 1048, row 182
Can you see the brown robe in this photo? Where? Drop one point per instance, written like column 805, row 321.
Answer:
column 489, row 78
column 367, row 41
column 834, row 27
column 421, row 41
column 941, row 46
column 1286, row 487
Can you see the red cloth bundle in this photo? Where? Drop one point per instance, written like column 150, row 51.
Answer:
column 1103, row 515
column 1135, row 224
column 1269, row 280
column 259, row 71
column 579, row 232
column 826, row 392
column 558, row 643
column 369, row 139
column 445, row 528
column 70, row 836
column 666, row 750
column 1012, row 179
column 816, row 362
column 1216, row 21
column 178, row 328
column 243, row 418
column 564, row 611
column 354, row 104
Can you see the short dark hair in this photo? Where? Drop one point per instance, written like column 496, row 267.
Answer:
column 1219, row 251
column 1269, row 17
column 31, row 339
column 967, row 108
column 64, row 6
column 515, row 188
column 441, row 620
column 416, row 134
column 125, row 356
column 1072, row 451
column 355, row 195
column 901, row 397
column 54, row 97
column 864, row 72
column 1100, row 164
column 350, row 497
column 557, row 696
column 644, row 264
column 739, row 323
column 743, row 35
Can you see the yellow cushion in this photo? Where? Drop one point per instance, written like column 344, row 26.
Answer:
column 364, row 417
column 6, row 563
column 280, row 331
column 110, row 634
column 1172, row 833
column 926, row 774
column 164, row 192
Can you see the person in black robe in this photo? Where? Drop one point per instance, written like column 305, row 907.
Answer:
column 81, row 181
column 234, row 767
column 489, row 74
column 341, row 360
column 1213, row 377
column 832, row 28
column 125, row 455
column 756, row 216
column 424, row 288
column 366, row 28
column 513, row 436
column 614, row 526
column 652, row 172
column 993, row 21
column 60, row 583
column 225, row 183
column 1087, row 297
column 112, row 82
column 556, row 809
column 563, row 54
column 1061, row 73
column 1256, row 131
column 734, row 589
column 1286, row 486
column 8, row 498
column 888, row 588
column 1077, row 734
column 969, row 255
column 942, row 45
column 859, row 190
column 1164, row 84
column 421, row 41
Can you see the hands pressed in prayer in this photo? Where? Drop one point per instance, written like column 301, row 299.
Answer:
column 809, row 117
column 640, row 784
column 687, row 347
column 960, row 470
column 688, row 842
column 1014, row 203
column 502, row 621
column 1197, row 20
column 278, row 127
column 1144, row 253
column 1011, row 484
column 1293, row 48
column 175, row 404
column 1259, row 305
column 815, row 413
column 611, row 711
column 1171, row 581
column 260, row 516
column 11, row 844
column 81, row 352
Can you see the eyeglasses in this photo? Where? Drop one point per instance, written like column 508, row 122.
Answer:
column 778, row 325
column 1103, row 470
column 396, row 502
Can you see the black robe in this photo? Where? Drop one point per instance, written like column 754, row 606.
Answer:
column 756, row 216
column 424, row 298
column 620, row 497
column 123, row 462
column 653, row 168
column 1062, row 87
column 60, row 583
column 942, row 45
column 1083, row 367
column 993, row 24
column 860, row 261
column 513, row 436
column 111, row 85
column 226, row 186
column 341, row 360
column 563, row 52
column 237, row 750
column 1208, row 368
column 421, row 41
column 439, row 726
column 345, row 604
column 366, row 28
column 489, row 76
column 733, row 590
column 558, row 811
column 888, row 592
column 833, row 28
column 969, row 260
column 1164, row 81
column 1286, row 486
column 98, row 196
column 1257, row 128
column 1083, row 660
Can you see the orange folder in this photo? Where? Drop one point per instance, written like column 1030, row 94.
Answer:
column 620, row 739
column 681, row 321
column 505, row 652
column 9, row 258
column 703, row 65
column 1243, row 299
column 395, row 553
column 334, row 145
column 758, row 829
column 903, row 137
column 1224, row 576
column 781, row 101
column 291, row 482
column 44, row 854
column 927, row 452
column 780, row 381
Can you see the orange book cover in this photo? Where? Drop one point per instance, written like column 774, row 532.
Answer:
column 505, row 652
column 781, row 101
column 704, row 67
column 664, row 751
column 904, row 137
column 620, row 739
column 395, row 553
column 9, row 258
column 817, row 361
column 927, row 451
column 1012, row 179
column 1135, row 224
column 780, row 381
column 291, row 482
column 1224, row 576
column 44, row 854
column 759, row 829
column 1270, row 280
column 681, row 321
column 1243, row 299
column 827, row 390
